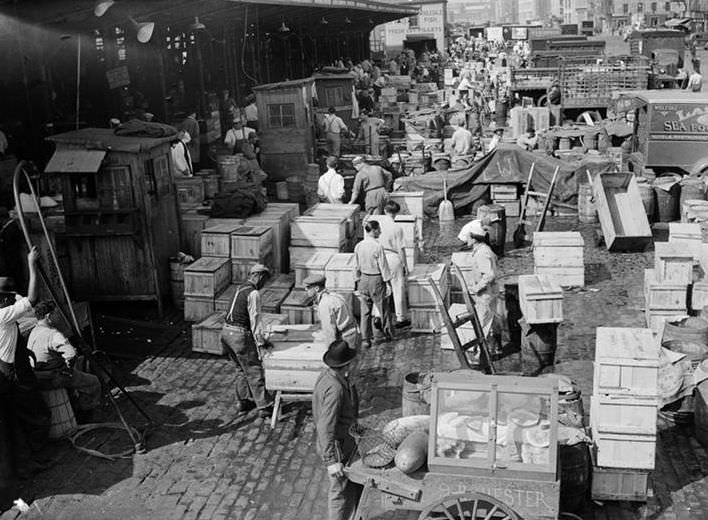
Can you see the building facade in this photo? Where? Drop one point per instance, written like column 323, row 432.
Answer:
column 645, row 14
column 423, row 30
column 474, row 12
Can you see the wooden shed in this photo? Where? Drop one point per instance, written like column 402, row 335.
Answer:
column 120, row 210
column 286, row 119
column 335, row 90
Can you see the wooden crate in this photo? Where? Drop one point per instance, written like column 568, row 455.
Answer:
column 293, row 366
column 301, row 255
column 412, row 229
column 504, row 192
column 512, row 208
column 299, row 308
column 624, row 414
column 411, row 202
column 235, row 222
column 656, row 317
column 617, row 198
column 420, row 293
column 425, row 319
column 413, row 257
column 280, row 226
column 349, row 212
column 222, row 303
column 313, row 265
column 241, row 267
column 251, row 242
column 559, row 255
column 318, row 232
column 617, row 450
column 673, row 263
column 540, row 299
column 464, row 332
column 463, row 260
column 290, row 210
column 206, row 335
column 216, row 240
column 339, row 272
column 281, row 281
column 207, row 277
column 272, row 298
column 620, row 484
column 626, row 362
column 688, row 235
column 191, row 237
column 196, row 308
column 190, row 191
column 663, row 295
column 699, row 295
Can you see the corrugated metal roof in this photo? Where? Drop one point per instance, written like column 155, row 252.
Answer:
column 105, row 139
column 75, row 161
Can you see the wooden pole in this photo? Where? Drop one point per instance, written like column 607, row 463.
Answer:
column 200, row 74
column 78, row 78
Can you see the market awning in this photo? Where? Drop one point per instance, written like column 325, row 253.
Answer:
column 75, row 161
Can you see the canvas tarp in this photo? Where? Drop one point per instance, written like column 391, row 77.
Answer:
column 469, row 188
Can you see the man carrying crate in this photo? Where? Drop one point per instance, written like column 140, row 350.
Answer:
column 336, row 317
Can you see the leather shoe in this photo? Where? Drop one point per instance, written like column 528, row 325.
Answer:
column 378, row 324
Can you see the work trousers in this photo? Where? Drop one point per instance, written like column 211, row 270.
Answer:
column 87, row 386
column 250, row 379
column 375, row 201
column 343, row 495
column 334, row 143
column 373, row 294
column 398, row 285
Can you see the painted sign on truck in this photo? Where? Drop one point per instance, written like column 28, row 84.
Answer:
column 680, row 121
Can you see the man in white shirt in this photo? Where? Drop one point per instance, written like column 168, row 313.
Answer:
column 251, row 112
column 333, row 127
column 393, row 241
column 181, row 157
column 12, row 308
column 330, row 186
column 498, row 133
column 237, row 135
column 695, row 81
column 461, row 139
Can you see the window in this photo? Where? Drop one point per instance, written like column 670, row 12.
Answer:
column 640, row 7
column 667, row 6
column 281, row 115
column 653, row 7
column 625, row 8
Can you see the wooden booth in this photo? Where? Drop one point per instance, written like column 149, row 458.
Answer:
column 120, row 210
column 286, row 119
column 335, row 90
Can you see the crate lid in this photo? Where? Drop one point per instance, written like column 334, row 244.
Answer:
column 297, row 298
column 340, row 261
column 539, row 285
column 270, row 320
column 683, row 228
column 220, row 229
column 613, row 343
column 284, row 281
column 251, row 231
column 207, row 264
column 310, row 219
column 396, row 194
column 191, row 214
column 317, row 261
column 421, row 272
column 671, row 250
column 305, row 351
column 272, row 296
column 227, row 294
column 557, row 239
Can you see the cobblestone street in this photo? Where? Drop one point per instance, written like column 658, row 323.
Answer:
column 203, row 463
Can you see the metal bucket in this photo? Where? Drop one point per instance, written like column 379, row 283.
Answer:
column 412, row 402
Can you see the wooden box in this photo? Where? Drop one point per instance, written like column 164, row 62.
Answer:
column 314, row 265
column 196, row 308
column 280, row 226
column 216, row 240
column 512, row 208
column 688, row 235
column 619, row 484
column 623, row 414
column 617, row 450
column 289, row 210
column 293, row 366
column 463, row 260
column 663, row 295
column 617, row 198
column 560, row 256
column 656, row 317
column 465, row 332
column 234, row 222
column 540, row 299
column 426, row 319
column 699, row 295
column 347, row 211
column 302, row 255
column 241, row 267
column 339, row 271
column 318, row 232
column 626, row 362
column 272, row 298
column 673, row 263
column 251, row 242
column 191, row 237
column 411, row 202
column 504, row 192
column 299, row 308
column 207, row 277
column 190, row 191
column 420, row 293
column 206, row 335
column 222, row 303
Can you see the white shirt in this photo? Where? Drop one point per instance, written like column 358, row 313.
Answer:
column 8, row 327
column 695, row 82
column 331, row 186
column 50, row 347
column 181, row 159
column 461, row 141
column 251, row 112
column 391, row 237
column 233, row 135
column 495, row 141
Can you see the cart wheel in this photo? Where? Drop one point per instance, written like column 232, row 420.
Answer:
column 469, row 506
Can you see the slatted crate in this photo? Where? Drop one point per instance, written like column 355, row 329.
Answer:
column 192, row 225
column 620, row 484
column 218, row 221
column 299, row 308
column 663, row 295
column 699, row 295
column 301, row 255
column 190, row 192
column 319, row 232
column 463, row 260
column 512, row 208
column 251, row 242
column 413, row 257
column 412, row 229
column 411, row 202
column 688, row 235
column 626, row 362
column 618, row 450
column 420, row 292
column 272, row 298
column 504, row 192
column 281, row 281
column 240, row 267
column 207, row 277
column 280, row 226
column 425, row 319
column 206, row 335
column 559, row 255
column 624, row 414
column 655, row 318
column 339, row 272
column 216, row 240
column 196, row 308
column 347, row 211
column 313, row 265
column 540, row 299
column 673, row 263
column 293, row 366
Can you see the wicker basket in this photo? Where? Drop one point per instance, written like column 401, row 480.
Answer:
column 376, row 449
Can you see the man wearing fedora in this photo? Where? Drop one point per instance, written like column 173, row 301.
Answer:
column 336, row 318
column 335, row 408
column 244, row 339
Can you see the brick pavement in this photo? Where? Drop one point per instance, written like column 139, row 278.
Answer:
column 203, row 463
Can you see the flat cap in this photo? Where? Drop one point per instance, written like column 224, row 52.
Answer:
column 259, row 268
column 315, row 279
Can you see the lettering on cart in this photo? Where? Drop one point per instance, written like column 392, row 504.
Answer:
column 523, row 498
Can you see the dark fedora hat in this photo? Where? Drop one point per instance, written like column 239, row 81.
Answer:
column 338, row 354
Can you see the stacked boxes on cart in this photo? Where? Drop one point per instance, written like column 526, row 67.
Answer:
column 624, row 403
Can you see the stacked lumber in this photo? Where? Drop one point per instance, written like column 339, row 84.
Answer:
column 559, row 255
column 623, row 408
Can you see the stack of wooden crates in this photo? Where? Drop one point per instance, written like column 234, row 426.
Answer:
column 507, row 196
column 623, row 412
column 559, row 255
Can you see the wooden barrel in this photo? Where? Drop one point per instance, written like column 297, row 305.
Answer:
column 63, row 420
column 296, row 190
column 587, row 212
column 441, row 161
column 692, row 189
column 177, row 282
column 668, row 193
column 227, row 166
column 575, row 476
column 412, row 402
column 494, row 217
column 700, row 419
column 538, row 346
column 692, row 330
column 281, row 190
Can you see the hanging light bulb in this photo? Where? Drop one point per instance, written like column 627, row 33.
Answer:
column 102, row 6
column 143, row 30
column 197, row 25
column 283, row 28
column 347, row 20
column 324, row 21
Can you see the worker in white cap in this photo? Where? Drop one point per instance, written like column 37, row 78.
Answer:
column 244, row 340
column 482, row 286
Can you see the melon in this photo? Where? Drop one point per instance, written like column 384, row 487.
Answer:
column 412, row 453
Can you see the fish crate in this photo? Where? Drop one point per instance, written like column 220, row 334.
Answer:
column 420, row 292
column 559, row 255
column 207, row 277
column 222, row 303
column 625, row 414
column 251, row 242
column 465, row 331
column 699, row 295
column 241, row 267
column 663, row 295
column 540, row 299
column 206, row 335
column 619, row 484
column 688, row 235
column 299, row 308
column 673, row 263
column 426, row 319
column 339, row 272
column 196, row 308
column 626, row 362
column 272, row 298
column 308, row 231
column 280, row 226
column 314, row 265
column 190, row 191
column 349, row 212
column 191, row 237
column 411, row 202
column 301, row 255
column 504, row 192
column 293, row 366
column 620, row 450
column 216, row 240
column 512, row 208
